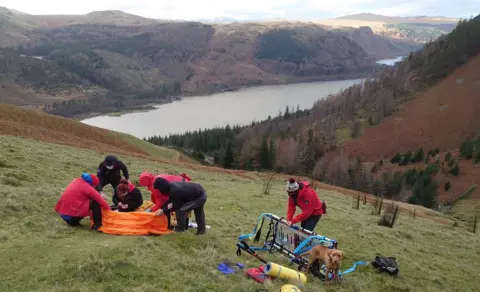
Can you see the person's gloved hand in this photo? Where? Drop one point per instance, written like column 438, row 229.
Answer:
column 148, row 210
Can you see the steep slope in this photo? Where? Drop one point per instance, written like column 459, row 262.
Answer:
column 34, row 174
column 428, row 100
column 12, row 30
column 40, row 126
column 262, row 53
column 379, row 47
column 443, row 116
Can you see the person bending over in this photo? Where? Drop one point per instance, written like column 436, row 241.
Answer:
column 183, row 197
column 147, row 179
column 302, row 195
column 129, row 196
column 80, row 199
column 109, row 173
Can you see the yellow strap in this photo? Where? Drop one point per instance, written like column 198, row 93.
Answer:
column 279, row 270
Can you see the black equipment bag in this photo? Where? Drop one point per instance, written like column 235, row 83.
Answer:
column 386, row 264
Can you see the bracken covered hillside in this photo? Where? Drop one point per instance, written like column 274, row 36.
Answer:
column 109, row 60
column 429, row 97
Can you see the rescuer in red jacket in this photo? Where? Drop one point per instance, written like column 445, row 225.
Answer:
column 302, row 195
column 80, row 199
column 147, row 179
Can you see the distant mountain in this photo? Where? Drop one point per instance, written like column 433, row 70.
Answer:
column 74, row 63
column 400, row 19
column 411, row 29
column 121, row 60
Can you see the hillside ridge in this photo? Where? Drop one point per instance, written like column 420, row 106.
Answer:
column 423, row 105
column 70, row 64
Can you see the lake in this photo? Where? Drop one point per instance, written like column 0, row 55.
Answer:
column 390, row 62
column 233, row 107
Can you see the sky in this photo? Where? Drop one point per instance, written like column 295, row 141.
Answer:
column 251, row 9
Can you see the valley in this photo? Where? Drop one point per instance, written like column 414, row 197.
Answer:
column 367, row 108
column 111, row 61
column 424, row 107
column 325, row 99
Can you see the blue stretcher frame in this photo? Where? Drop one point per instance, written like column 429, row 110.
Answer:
column 270, row 244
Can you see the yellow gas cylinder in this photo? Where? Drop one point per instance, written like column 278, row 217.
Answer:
column 290, row 288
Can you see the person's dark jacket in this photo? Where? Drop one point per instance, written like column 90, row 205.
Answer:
column 105, row 174
column 133, row 198
column 178, row 193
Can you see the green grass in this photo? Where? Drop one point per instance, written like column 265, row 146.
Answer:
column 38, row 252
column 152, row 150
column 343, row 135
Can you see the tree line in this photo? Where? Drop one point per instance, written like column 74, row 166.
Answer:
column 298, row 142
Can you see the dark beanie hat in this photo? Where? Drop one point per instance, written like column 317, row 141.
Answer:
column 162, row 185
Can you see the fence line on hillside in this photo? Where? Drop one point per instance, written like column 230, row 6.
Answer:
column 391, row 210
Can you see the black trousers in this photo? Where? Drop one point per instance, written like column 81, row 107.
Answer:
column 311, row 222
column 197, row 206
column 74, row 221
column 113, row 180
column 96, row 213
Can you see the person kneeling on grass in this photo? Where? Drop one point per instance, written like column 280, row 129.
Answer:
column 80, row 199
column 302, row 195
column 129, row 196
column 183, row 197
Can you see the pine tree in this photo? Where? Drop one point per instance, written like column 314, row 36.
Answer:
column 228, row 160
column 306, row 156
column 264, row 155
column 287, row 113
column 272, row 154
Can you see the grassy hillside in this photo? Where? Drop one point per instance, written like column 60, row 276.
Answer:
column 54, row 257
column 16, row 121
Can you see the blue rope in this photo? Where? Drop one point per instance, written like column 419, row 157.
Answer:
column 353, row 267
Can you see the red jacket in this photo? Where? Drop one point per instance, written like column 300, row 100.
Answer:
column 308, row 201
column 75, row 200
column 159, row 199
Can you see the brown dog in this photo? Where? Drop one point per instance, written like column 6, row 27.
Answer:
column 332, row 258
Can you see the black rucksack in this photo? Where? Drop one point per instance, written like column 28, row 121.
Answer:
column 386, row 264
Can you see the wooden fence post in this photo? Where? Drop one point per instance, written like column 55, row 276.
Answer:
column 358, row 201
column 365, row 199
column 414, row 212
column 380, row 207
column 475, row 224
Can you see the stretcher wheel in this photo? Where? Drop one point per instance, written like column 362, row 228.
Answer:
column 315, row 269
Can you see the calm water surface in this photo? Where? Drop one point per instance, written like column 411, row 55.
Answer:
column 234, row 107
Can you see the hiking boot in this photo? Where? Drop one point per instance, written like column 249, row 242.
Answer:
column 200, row 232
column 178, row 229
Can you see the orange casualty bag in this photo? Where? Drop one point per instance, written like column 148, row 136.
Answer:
column 133, row 223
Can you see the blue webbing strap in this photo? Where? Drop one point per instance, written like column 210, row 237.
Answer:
column 353, row 268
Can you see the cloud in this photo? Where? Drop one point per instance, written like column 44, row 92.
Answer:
column 247, row 9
